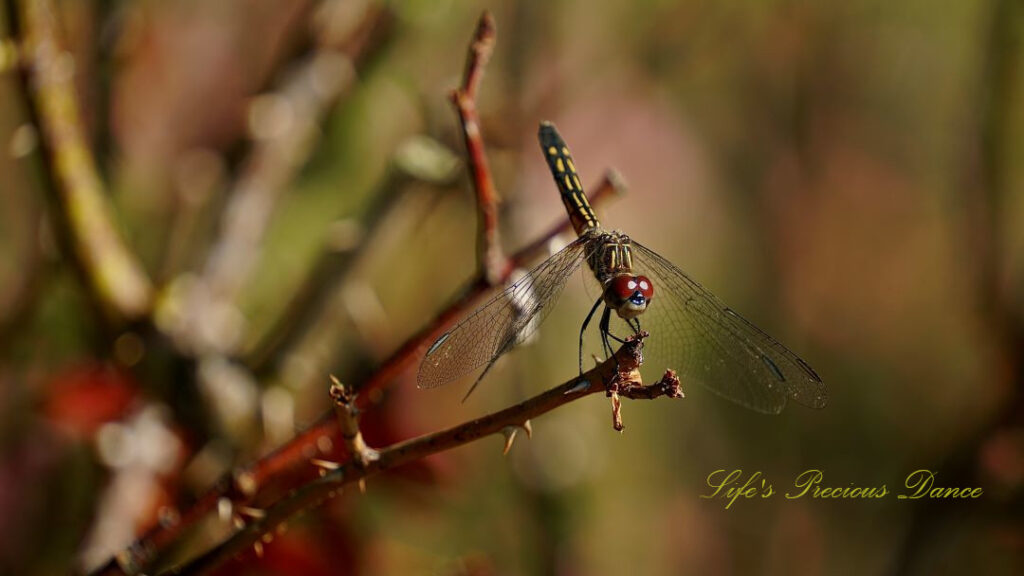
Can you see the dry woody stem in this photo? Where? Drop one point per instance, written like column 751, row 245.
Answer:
column 313, row 478
column 293, row 456
column 619, row 374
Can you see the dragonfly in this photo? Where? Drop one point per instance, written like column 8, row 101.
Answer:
column 690, row 329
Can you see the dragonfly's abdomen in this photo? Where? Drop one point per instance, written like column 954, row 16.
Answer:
column 564, row 171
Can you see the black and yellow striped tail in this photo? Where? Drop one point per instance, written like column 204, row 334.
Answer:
column 562, row 168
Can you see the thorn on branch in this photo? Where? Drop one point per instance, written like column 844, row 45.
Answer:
column 509, row 432
column 325, row 466
column 251, row 512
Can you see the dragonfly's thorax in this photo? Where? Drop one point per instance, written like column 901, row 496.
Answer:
column 610, row 255
column 611, row 259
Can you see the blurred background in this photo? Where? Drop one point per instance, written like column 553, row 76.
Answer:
column 289, row 176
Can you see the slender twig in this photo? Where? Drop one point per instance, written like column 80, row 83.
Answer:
column 622, row 371
column 84, row 217
column 489, row 255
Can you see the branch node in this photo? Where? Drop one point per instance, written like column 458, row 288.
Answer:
column 348, row 418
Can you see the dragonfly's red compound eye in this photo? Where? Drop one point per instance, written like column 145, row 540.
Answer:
column 624, row 286
column 644, row 285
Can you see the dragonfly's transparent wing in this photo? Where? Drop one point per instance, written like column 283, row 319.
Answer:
column 504, row 321
column 696, row 334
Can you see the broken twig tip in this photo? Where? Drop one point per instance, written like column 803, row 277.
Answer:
column 617, row 412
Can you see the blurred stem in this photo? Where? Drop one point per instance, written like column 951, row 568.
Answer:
column 417, row 160
column 987, row 187
column 306, row 98
column 83, row 217
column 18, row 298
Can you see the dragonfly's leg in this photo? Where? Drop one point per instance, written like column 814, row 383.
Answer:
column 605, row 333
column 635, row 328
column 606, row 328
column 584, row 328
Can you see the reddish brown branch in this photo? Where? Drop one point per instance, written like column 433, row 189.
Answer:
column 84, row 218
column 489, row 254
column 289, row 465
column 622, row 371
column 292, row 458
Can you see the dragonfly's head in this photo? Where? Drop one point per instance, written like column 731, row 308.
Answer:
column 629, row 295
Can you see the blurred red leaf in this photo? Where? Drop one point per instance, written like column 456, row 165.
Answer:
column 84, row 397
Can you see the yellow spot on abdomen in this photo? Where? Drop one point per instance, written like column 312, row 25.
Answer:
column 571, row 165
column 552, row 150
column 559, row 165
column 568, row 182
